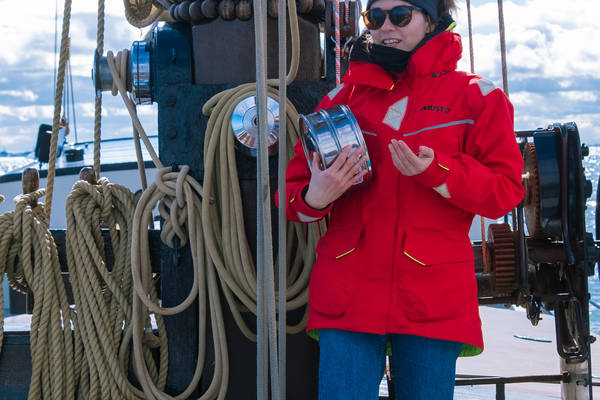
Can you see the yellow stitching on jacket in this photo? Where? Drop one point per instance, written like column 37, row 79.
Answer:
column 442, row 167
column 346, row 253
column 414, row 259
column 292, row 200
column 391, row 87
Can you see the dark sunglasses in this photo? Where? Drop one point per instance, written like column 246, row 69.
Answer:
column 374, row 18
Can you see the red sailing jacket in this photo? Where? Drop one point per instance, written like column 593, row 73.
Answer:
column 397, row 257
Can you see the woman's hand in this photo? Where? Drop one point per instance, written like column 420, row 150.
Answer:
column 407, row 162
column 328, row 185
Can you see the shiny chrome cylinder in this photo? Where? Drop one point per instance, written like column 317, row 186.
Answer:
column 141, row 72
column 327, row 132
column 244, row 123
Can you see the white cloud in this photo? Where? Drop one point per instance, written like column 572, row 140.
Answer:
column 26, row 113
column 545, row 36
column 26, row 95
column 585, row 96
column 548, row 41
column 550, row 46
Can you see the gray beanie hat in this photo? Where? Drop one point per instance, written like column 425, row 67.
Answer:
column 430, row 6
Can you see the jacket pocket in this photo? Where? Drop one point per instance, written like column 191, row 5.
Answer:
column 438, row 282
column 336, row 272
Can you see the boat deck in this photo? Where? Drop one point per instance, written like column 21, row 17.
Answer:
column 504, row 355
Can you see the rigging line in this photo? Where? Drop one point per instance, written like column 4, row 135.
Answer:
column 72, row 101
column 502, row 46
column 282, row 221
column 484, row 250
column 504, row 72
column 67, row 93
column 55, row 48
column 98, row 99
column 336, row 19
column 264, row 259
column 471, row 51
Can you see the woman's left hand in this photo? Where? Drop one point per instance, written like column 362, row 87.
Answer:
column 407, row 162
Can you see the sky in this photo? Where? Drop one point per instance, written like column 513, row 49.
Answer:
column 552, row 51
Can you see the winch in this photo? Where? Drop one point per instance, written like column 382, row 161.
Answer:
column 543, row 261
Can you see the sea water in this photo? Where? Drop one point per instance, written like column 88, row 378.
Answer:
column 592, row 172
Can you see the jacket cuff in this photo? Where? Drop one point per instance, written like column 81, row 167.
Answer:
column 437, row 172
column 305, row 212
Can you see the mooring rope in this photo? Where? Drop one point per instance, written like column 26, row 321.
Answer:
column 29, row 257
column 103, row 296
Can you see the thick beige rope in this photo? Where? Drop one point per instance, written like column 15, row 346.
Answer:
column 98, row 98
column 102, row 296
column 29, row 257
column 60, row 81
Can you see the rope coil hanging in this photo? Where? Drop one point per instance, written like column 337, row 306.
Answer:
column 104, row 297
column 236, row 273
column 178, row 195
column 29, row 257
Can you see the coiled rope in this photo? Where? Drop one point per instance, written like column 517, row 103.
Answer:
column 225, row 236
column 222, row 230
column 104, row 297
column 29, row 257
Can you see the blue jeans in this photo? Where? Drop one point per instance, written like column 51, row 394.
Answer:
column 352, row 364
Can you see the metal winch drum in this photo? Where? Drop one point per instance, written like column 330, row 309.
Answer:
column 327, row 132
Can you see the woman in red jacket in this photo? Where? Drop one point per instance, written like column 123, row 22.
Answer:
column 396, row 264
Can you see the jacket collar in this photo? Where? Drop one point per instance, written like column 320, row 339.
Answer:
column 437, row 56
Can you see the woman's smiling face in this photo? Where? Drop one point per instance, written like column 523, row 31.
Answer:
column 402, row 38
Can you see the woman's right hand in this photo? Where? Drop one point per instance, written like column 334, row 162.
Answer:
column 328, row 185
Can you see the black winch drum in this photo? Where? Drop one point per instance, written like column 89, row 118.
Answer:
column 327, row 132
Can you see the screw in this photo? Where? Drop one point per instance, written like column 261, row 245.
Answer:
column 585, row 150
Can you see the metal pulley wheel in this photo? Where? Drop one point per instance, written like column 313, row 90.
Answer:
column 327, row 132
column 244, row 123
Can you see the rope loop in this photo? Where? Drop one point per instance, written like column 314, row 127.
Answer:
column 176, row 194
column 29, row 257
column 103, row 295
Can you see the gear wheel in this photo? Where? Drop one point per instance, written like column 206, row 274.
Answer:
column 502, row 258
column 531, row 183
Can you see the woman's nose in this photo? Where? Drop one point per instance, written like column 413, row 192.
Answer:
column 387, row 24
